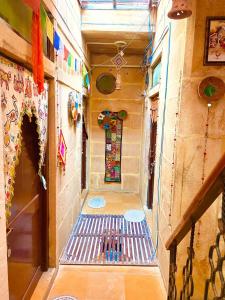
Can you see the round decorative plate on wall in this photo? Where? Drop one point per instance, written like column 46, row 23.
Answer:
column 211, row 88
column 106, row 83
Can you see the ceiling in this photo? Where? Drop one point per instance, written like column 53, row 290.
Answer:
column 103, row 42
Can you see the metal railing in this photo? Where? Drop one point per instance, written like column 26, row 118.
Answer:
column 208, row 194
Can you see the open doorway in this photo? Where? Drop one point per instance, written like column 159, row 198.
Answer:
column 152, row 149
column 84, row 156
column 84, row 152
column 27, row 230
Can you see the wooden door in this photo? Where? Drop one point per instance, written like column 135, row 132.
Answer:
column 25, row 232
column 84, row 156
column 152, row 150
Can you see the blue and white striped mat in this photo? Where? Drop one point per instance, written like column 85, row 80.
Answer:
column 109, row 240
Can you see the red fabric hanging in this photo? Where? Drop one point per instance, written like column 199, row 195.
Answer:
column 37, row 50
column 34, row 4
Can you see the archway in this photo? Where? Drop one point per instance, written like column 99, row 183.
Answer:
column 26, row 234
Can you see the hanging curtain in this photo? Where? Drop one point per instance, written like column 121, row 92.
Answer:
column 19, row 96
column 37, row 49
column 34, row 4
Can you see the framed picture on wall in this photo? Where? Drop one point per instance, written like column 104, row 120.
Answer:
column 215, row 41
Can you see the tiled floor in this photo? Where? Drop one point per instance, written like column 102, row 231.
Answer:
column 108, row 283
column 116, row 203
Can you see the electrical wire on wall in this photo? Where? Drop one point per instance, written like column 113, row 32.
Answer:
column 174, row 152
column 204, row 164
column 205, row 142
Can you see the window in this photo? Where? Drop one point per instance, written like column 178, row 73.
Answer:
column 156, row 74
column 115, row 4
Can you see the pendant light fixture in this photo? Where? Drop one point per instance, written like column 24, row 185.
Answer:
column 181, row 9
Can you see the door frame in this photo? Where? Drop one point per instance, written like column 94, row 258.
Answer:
column 43, row 219
column 152, row 148
column 52, row 195
column 84, row 156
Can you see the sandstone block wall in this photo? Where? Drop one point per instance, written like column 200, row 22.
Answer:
column 130, row 99
column 185, row 72
column 68, row 182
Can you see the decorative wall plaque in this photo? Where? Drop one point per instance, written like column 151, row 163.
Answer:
column 211, row 89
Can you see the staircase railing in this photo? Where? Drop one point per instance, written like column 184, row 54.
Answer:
column 208, row 194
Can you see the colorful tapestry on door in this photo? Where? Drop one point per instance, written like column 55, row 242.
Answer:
column 112, row 123
column 19, row 96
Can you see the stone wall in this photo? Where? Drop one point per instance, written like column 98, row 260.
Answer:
column 183, row 117
column 69, row 181
column 194, row 117
column 64, row 187
column 129, row 98
column 169, row 46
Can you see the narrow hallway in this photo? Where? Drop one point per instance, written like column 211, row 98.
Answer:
column 109, row 282
column 112, row 150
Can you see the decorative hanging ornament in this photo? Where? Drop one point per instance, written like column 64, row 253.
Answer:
column 211, row 89
column 62, row 150
column 181, row 9
column 119, row 61
column 74, row 107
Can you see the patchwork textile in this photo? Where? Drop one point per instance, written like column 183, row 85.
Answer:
column 112, row 123
column 19, row 96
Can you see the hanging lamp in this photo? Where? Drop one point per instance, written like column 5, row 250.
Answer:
column 181, row 9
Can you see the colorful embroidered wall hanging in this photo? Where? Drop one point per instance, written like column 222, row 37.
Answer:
column 62, row 149
column 19, row 96
column 112, row 123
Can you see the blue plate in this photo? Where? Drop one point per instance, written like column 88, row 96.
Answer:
column 134, row 215
column 96, row 202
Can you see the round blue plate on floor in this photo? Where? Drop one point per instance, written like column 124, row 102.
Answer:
column 65, row 298
column 96, row 202
column 134, row 215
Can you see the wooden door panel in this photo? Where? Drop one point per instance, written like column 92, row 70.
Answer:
column 25, row 233
column 27, row 181
column 24, row 248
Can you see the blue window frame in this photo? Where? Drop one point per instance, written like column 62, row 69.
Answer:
column 156, row 74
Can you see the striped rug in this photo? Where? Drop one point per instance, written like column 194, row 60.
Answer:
column 109, row 240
